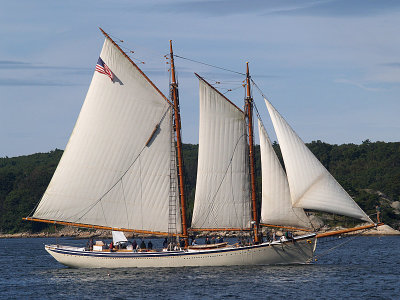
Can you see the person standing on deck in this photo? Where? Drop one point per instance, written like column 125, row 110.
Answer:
column 134, row 244
column 142, row 245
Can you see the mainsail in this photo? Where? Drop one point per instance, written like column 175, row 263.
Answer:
column 222, row 188
column 115, row 170
column 311, row 185
column 276, row 206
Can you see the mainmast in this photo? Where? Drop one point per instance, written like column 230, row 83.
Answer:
column 175, row 101
column 249, row 115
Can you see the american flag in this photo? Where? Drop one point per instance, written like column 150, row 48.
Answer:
column 102, row 68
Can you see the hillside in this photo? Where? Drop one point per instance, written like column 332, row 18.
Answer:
column 370, row 172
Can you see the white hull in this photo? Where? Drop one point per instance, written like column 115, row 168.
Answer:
column 299, row 252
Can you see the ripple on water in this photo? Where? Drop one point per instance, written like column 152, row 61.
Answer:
column 368, row 267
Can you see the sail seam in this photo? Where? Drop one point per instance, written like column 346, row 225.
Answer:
column 298, row 213
column 222, row 95
column 317, row 179
column 136, row 66
column 212, row 202
column 90, row 207
column 126, row 207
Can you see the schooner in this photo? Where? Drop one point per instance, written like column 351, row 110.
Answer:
column 122, row 171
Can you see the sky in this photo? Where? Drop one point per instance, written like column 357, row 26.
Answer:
column 330, row 67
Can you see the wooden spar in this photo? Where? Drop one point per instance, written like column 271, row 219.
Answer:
column 219, row 229
column 98, row 227
column 135, row 65
column 337, row 232
column 285, row 227
column 175, row 101
column 152, row 134
column 249, row 113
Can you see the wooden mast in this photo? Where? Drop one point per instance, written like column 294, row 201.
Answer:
column 249, row 114
column 175, row 101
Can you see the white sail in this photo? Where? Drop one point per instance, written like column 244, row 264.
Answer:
column 222, row 188
column 118, row 237
column 115, row 170
column 311, row 185
column 276, row 206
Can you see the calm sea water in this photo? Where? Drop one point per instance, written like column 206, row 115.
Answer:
column 363, row 268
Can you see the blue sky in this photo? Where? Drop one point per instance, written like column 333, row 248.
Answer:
column 331, row 68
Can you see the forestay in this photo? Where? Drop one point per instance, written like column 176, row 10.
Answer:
column 222, row 188
column 311, row 185
column 115, row 170
column 276, row 206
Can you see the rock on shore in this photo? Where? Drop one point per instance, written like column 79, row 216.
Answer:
column 382, row 230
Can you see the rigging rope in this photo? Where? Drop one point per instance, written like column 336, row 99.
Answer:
column 126, row 49
column 230, row 90
column 262, row 125
column 89, row 208
column 213, row 66
column 258, row 89
column 337, row 246
column 212, row 205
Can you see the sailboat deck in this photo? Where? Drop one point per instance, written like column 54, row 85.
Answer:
column 199, row 248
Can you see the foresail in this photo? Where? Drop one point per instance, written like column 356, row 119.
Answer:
column 222, row 188
column 311, row 185
column 276, row 206
column 115, row 170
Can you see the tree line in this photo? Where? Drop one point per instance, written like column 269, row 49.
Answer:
column 369, row 172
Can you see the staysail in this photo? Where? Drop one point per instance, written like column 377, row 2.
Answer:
column 276, row 206
column 222, row 188
column 115, row 170
column 311, row 185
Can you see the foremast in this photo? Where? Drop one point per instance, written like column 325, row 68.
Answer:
column 177, row 127
column 249, row 116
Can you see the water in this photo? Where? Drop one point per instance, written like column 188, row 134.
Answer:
column 364, row 268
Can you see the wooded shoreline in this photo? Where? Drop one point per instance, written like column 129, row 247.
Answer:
column 369, row 172
column 384, row 230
